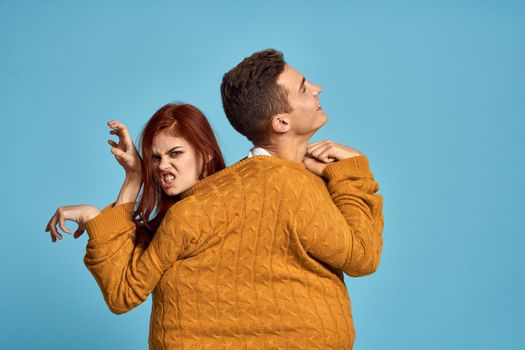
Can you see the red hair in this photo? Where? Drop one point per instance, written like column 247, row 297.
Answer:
column 182, row 120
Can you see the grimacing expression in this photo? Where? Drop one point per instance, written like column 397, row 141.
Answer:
column 176, row 163
column 307, row 116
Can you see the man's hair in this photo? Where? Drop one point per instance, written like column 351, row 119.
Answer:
column 250, row 93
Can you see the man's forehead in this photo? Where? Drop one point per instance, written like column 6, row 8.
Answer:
column 290, row 77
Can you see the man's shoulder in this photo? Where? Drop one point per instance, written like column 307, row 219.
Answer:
column 256, row 168
column 264, row 168
column 249, row 174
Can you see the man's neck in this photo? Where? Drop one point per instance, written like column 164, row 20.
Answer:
column 293, row 150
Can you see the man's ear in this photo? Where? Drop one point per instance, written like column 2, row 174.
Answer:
column 280, row 123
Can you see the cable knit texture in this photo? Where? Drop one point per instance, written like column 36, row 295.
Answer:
column 251, row 257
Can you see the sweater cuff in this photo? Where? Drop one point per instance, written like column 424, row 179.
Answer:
column 112, row 219
column 346, row 168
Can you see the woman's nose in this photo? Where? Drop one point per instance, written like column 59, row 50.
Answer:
column 164, row 164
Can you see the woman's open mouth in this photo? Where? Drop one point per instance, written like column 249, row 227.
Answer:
column 167, row 179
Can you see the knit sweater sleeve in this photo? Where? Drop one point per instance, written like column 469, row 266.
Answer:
column 127, row 272
column 348, row 235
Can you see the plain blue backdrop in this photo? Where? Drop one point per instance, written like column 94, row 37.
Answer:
column 432, row 92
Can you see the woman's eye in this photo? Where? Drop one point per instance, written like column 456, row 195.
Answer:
column 155, row 158
column 175, row 153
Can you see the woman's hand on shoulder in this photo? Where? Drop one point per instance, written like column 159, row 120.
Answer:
column 125, row 151
column 77, row 213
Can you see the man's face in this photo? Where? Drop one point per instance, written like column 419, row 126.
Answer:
column 306, row 116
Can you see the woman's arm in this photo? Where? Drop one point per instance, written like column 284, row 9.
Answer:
column 128, row 157
column 77, row 213
column 130, row 190
column 127, row 272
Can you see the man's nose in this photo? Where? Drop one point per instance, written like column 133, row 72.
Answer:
column 316, row 89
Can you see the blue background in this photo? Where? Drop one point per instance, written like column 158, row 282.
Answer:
column 432, row 92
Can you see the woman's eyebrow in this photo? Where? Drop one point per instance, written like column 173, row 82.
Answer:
column 156, row 153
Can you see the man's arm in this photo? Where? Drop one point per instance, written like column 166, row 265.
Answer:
column 347, row 235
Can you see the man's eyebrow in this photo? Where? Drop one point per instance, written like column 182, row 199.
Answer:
column 302, row 84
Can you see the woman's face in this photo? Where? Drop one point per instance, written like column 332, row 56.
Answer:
column 176, row 164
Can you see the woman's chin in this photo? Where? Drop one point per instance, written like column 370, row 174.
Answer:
column 171, row 191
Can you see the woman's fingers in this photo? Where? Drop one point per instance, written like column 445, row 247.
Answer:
column 119, row 129
column 123, row 134
column 76, row 213
column 49, row 224
column 48, row 229
column 55, row 234
column 51, row 227
column 79, row 231
column 117, row 152
column 124, row 150
column 62, row 224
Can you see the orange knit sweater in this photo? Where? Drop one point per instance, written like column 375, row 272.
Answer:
column 250, row 258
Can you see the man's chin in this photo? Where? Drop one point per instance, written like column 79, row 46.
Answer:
column 312, row 133
column 325, row 119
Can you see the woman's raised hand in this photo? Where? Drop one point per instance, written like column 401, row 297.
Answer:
column 125, row 151
column 77, row 213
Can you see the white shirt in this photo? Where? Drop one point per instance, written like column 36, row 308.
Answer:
column 258, row 151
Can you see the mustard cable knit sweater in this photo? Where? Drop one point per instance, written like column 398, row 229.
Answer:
column 250, row 258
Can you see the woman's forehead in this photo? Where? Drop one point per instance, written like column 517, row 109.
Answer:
column 166, row 139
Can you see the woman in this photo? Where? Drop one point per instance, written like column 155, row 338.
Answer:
column 178, row 148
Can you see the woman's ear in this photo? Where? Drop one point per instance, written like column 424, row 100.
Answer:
column 207, row 159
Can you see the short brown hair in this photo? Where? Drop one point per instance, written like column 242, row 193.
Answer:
column 250, row 93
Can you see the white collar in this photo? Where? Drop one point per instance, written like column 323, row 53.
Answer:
column 258, row 151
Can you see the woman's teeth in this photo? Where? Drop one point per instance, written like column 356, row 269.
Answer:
column 168, row 178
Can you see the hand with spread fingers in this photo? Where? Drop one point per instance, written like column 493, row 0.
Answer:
column 125, row 151
column 320, row 154
column 129, row 158
column 77, row 213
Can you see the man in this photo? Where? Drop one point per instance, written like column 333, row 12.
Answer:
column 251, row 256
column 276, row 108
